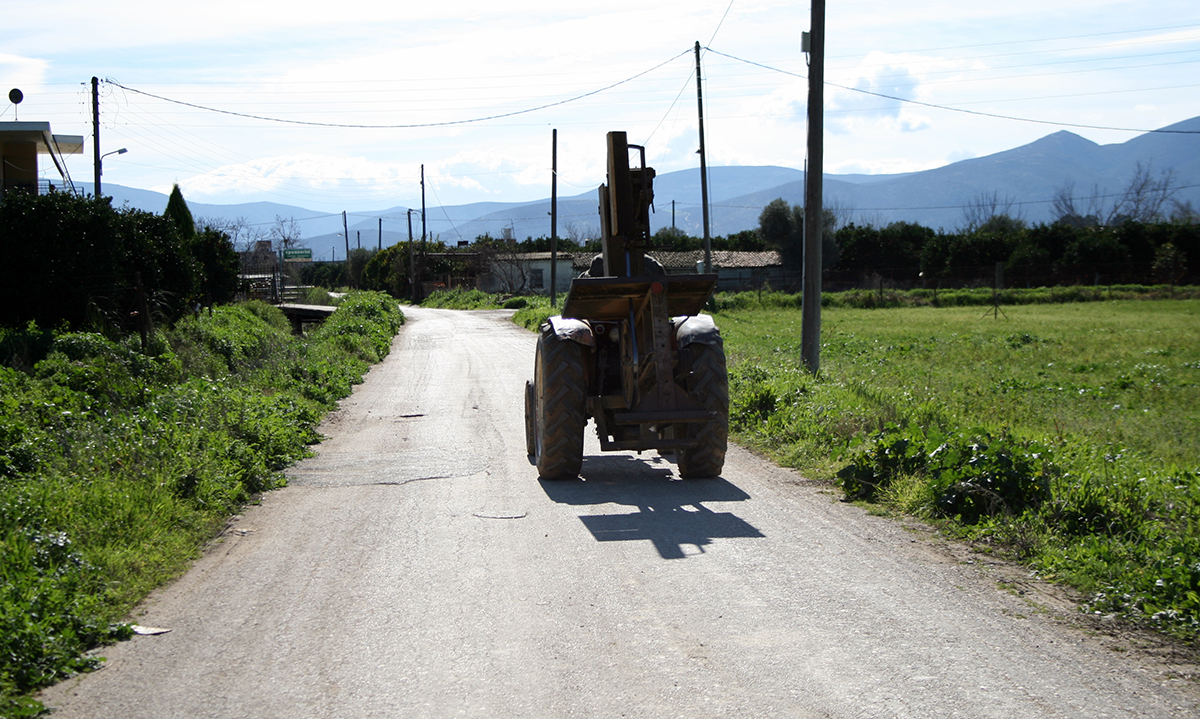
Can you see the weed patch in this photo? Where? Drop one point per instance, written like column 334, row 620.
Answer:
column 117, row 466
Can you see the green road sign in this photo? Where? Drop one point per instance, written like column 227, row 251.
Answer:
column 297, row 254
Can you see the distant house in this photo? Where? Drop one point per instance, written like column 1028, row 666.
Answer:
column 735, row 270
column 21, row 143
column 524, row 272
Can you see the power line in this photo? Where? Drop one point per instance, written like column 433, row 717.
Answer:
column 959, row 109
column 397, row 127
column 1047, row 39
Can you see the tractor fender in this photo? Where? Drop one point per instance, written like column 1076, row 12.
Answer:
column 577, row 331
column 699, row 329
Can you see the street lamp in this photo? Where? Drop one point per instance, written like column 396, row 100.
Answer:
column 100, row 166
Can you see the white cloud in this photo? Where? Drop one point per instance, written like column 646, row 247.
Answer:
column 377, row 63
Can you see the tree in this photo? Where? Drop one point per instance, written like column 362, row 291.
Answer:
column 781, row 227
column 1090, row 255
column 989, row 212
column 580, row 233
column 240, row 232
column 219, row 266
column 177, row 210
column 285, row 233
column 1142, row 200
column 359, row 258
column 80, row 261
column 506, row 262
column 894, row 250
column 1170, row 265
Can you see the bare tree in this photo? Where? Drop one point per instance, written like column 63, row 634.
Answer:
column 1183, row 213
column 286, row 232
column 990, row 210
column 836, row 213
column 1142, row 200
column 505, row 263
column 580, row 233
column 241, row 233
column 1144, row 196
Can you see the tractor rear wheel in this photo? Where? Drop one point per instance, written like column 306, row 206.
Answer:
column 560, row 399
column 707, row 382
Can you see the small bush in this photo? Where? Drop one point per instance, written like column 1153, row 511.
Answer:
column 972, row 475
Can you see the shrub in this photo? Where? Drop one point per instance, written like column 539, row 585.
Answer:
column 972, row 474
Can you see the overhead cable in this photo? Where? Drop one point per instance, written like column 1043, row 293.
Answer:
column 397, row 127
column 959, row 109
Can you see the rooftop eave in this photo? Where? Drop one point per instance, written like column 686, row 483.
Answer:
column 39, row 133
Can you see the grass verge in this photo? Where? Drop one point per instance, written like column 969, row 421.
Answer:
column 1066, row 436
column 117, row 466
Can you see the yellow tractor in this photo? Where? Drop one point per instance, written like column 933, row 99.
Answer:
column 630, row 349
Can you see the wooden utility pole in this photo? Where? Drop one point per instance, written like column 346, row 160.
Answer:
column 810, row 328
column 346, row 233
column 703, row 168
column 96, row 134
column 380, row 247
column 554, row 218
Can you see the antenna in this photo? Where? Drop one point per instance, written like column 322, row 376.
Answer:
column 15, row 96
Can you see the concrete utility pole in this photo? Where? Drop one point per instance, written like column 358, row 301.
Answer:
column 810, row 317
column 96, row 134
column 554, row 218
column 412, row 267
column 703, row 168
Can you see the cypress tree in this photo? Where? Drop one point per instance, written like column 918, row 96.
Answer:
column 177, row 210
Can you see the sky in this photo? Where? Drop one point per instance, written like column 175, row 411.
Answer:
column 336, row 106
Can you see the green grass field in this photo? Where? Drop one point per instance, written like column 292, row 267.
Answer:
column 1119, row 374
column 1064, row 435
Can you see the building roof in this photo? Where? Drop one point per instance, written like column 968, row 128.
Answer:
column 39, row 132
column 721, row 259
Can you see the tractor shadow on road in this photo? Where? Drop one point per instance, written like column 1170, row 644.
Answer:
column 670, row 513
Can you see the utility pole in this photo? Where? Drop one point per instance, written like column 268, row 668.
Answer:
column 380, row 247
column 810, row 316
column 96, row 134
column 358, row 238
column 421, row 275
column 412, row 267
column 703, row 168
column 554, row 218
column 346, row 234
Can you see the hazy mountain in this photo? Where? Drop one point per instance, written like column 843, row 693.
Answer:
column 1028, row 176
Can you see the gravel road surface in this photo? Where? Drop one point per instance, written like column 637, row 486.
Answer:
column 417, row 568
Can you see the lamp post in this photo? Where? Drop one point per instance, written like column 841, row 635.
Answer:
column 100, row 166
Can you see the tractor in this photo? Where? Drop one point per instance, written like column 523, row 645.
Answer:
column 630, row 350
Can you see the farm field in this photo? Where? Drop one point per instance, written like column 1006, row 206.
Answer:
column 1066, row 435
column 1119, row 374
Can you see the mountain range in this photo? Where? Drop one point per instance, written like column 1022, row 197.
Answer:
column 1026, row 176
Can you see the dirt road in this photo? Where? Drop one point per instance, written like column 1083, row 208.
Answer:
column 418, row 568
